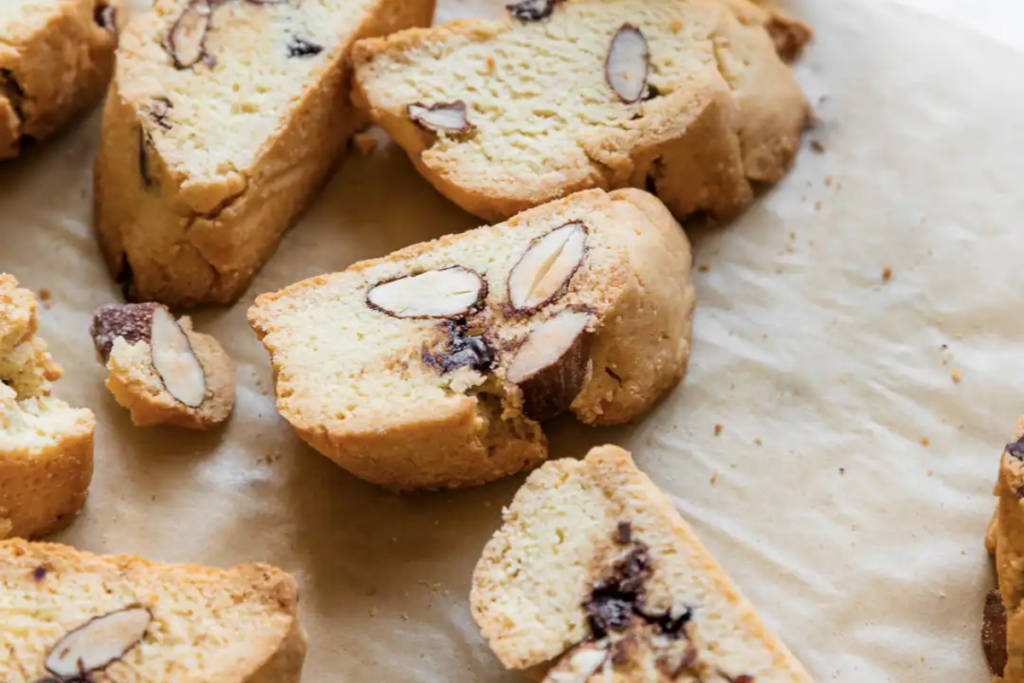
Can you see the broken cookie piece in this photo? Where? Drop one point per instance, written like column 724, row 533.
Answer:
column 160, row 369
column 56, row 59
column 690, row 100
column 46, row 446
column 224, row 119
column 432, row 367
column 75, row 617
column 595, row 577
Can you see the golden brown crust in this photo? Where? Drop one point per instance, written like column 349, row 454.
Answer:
column 1007, row 533
column 47, row 82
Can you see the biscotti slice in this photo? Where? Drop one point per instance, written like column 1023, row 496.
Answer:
column 224, row 118
column 1003, row 634
column 431, row 367
column 45, row 445
column 686, row 98
column 595, row 574
column 73, row 616
column 162, row 370
column 56, row 59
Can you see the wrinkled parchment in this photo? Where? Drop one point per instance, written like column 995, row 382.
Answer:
column 849, row 487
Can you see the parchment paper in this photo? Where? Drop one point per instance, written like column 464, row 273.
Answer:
column 849, row 488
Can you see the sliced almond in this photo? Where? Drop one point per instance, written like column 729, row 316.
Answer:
column 132, row 322
column 444, row 117
column 447, row 293
column 545, row 269
column 993, row 633
column 175, row 361
column 187, row 40
column 627, row 63
column 552, row 364
column 99, row 642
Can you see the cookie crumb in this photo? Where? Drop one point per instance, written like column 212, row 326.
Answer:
column 886, row 273
column 703, row 267
column 817, row 205
column 842, row 470
column 828, row 181
column 818, row 146
column 365, row 143
column 718, row 429
column 491, row 64
column 925, row 442
column 957, row 375
column 46, row 297
column 713, row 479
column 757, row 440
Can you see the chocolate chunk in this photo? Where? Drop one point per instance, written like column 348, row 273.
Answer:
column 1016, row 449
column 532, row 10
column 624, row 533
column 39, row 573
column 300, row 47
column 159, row 109
column 461, row 349
column 993, row 633
column 614, row 601
column 134, row 322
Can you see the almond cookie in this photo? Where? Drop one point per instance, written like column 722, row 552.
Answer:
column 45, row 444
column 1003, row 630
column 686, row 98
column 224, row 118
column 595, row 574
column 161, row 370
column 56, row 59
column 431, row 367
column 75, row 614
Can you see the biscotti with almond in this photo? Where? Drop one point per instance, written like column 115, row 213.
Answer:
column 595, row 577
column 686, row 98
column 46, row 446
column 69, row 616
column 162, row 370
column 56, row 59
column 433, row 367
column 224, row 119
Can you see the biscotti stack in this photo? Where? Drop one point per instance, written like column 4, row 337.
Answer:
column 224, row 118
column 56, row 59
column 596, row 577
column 686, row 98
column 431, row 367
column 45, row 445
column 74, row 616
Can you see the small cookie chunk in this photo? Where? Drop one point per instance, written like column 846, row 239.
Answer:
column 45, row 445
column 686, row 98
column 75, row 614
column 595, row 572
column 161, row 370
column 224, row 119
column 1003, row 538
column 56, row 59
column 431, row 367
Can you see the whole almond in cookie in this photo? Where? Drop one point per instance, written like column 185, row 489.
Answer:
column 627, row 64
column 434, row 367
column 99, row 642
column 444, row 117
column 187, row 39
column 160, row 369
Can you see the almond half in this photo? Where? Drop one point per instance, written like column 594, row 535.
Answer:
column 447, row 293
column 551, row 366
column 99, row 642
column 444, row 117
column 187, row 40
column 627, row 64
column 175, row 361
column 546, row 267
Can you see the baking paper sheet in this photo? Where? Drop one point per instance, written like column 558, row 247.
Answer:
column 849, row 487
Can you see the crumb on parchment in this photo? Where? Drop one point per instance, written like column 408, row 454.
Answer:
column 886, row 273
column 957, row 375
column 718, row 429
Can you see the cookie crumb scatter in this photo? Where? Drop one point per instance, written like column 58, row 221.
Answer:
column 818, row 146
column 886, row 273
column 365, row 143
column 46, row 297
column 925, row 442
column 718, row 429
column 957, row 375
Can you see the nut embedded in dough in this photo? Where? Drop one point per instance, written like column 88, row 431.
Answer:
column 99, row 642
column 446, row 293
column 552, row 364
column 547, row 266
column 532, row 10
column 187, row 38
column 627, row 64
column 444, row 117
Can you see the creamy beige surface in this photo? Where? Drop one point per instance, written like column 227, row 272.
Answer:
column 859, row 545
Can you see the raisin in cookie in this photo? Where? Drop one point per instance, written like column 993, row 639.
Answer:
column 687, row 98
column 45, row 445
column 596, row 573
column 431, row 367
column 224, row 118
column 1003, row 634
column 56, row 59
column 75, row 614
column 161, row 370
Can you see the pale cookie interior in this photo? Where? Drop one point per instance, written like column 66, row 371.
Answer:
column 206, row 624
column 562, row 554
